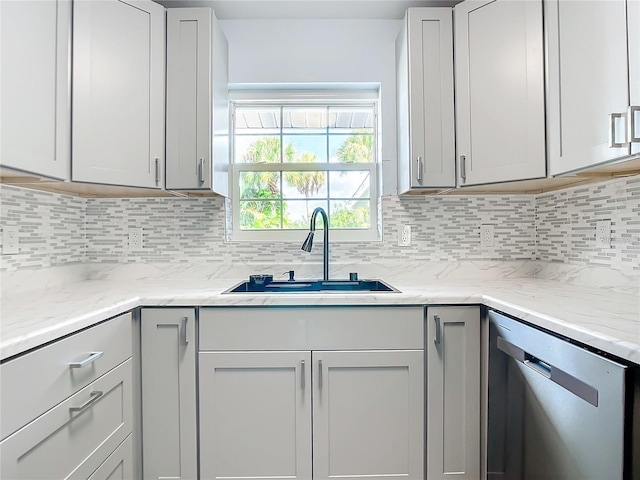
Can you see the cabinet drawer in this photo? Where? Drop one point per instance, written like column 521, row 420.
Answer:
column 119, row 465
column 73, row 439
column 316, row 328
column 33, row 383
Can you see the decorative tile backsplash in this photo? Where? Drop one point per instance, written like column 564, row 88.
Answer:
column 51, row 228
column 566, row 225
column 557, row 227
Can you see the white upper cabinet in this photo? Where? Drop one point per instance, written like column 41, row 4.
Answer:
column 593, row 80
column 118, row 92
column 35, row 110
column 197, row 102
column 426, row 136
column 500, row 109
column 633, row 45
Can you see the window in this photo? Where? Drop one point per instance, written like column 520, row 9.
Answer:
column 291, row 157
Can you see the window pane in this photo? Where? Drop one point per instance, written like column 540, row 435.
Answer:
column 312, row 184
column 257, row 120
column 304, row 119
column 350, row 214
column 351, row 120
column 260, row 149
column 255, row 185
column 356, row 148
column 260, row 215
column 351, row 184
column 298, row 214
column 307, row 148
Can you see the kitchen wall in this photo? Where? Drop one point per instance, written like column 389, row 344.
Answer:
column 556, row 228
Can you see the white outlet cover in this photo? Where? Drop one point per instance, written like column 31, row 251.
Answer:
column 603, row 234
column 135, row 239
column 487, row 235
column 10, row 241
column 404, row 236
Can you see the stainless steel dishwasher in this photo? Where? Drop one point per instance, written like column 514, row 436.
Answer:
column 556, row 410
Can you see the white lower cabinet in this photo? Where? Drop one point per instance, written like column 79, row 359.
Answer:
column 453, row 393
column 168, row 362
column 367, row 414
column 71, row 440
column 255, row 415
column 338, row 406
column 67, row 408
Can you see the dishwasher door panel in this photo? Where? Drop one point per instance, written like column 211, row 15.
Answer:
column 556, row 410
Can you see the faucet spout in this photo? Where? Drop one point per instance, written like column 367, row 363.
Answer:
column 308, row 243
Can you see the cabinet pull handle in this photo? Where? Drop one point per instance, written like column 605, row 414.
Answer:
column 93, row 356
column 183, row 331
column 201, row 170
column 463, row 168
column 438, row 338
column 157, row 170
column 419, row 162
column 631, row 123
column 302, row 375
column 612, row 131
column 94, row 396
column 320, row 374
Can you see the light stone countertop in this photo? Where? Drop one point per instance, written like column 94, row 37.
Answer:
column 597, row 317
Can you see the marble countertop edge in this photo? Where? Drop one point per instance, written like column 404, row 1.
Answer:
column 26, row 324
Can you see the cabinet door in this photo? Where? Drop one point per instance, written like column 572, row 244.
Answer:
column 633, row 44
column 35, row 110
column 197, row 101
column 118, row 92
column 499, row 91
column 368, row 414
column 588, row 80
column 425, row 100
column 188, row 98
column 453, row 393
column 168, row 393
column 255, row 415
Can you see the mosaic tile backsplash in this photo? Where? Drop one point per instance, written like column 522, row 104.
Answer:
column 553, row 227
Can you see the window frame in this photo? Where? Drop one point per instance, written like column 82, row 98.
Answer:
column 303, row 99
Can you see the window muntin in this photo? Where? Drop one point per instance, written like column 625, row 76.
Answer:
column 290, row 158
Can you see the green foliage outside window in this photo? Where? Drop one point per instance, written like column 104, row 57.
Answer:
column 261, row 203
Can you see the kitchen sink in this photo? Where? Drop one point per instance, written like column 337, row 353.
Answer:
column 313, row 286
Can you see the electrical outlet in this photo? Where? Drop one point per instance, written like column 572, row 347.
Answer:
column 603, row 234
column 487, row 235
column 10, row 241
column 404, row 236
column 135, row 239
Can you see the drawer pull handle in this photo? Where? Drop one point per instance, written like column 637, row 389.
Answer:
column 320, row 375
column 87, row 361
column 94, row 398
column 302, row 375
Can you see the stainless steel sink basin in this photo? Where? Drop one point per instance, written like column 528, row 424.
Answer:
column 314, row 286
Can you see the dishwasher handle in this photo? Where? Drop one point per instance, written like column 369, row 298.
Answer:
column 565, row 380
